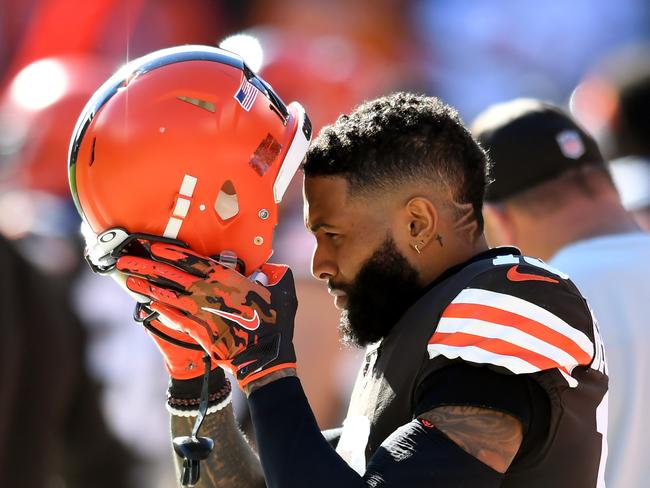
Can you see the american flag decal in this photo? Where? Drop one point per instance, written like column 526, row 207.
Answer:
column 246, row 94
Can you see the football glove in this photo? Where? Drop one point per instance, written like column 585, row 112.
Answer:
column 182, row 355
column 245, row 326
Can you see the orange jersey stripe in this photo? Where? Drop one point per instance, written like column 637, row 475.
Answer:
column 496, row 346
column 510, row 319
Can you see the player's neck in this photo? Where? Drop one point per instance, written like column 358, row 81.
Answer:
column 451, row 252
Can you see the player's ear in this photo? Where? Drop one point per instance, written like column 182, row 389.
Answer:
column 422, row 220
column 499, row 225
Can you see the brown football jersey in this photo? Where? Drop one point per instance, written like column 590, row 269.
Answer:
column 513, row 315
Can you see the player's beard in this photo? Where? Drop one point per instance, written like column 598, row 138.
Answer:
column 385, row 287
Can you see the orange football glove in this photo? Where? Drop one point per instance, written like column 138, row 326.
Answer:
column 183, row 356
column 185, row 362
column 245, row 326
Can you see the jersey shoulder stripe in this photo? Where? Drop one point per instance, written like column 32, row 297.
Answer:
column 488, row 327
column 518, row 306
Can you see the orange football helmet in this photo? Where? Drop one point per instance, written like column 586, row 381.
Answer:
column 188, row 144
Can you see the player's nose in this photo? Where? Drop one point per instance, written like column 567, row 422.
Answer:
column 323, row 266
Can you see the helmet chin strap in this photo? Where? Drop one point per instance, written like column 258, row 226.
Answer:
column 194, row 449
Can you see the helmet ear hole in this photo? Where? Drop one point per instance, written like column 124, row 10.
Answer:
column 227, row 204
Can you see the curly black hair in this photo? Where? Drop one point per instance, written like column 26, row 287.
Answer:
column 400, row 139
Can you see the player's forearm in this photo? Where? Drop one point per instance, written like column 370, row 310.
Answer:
column 232, row 462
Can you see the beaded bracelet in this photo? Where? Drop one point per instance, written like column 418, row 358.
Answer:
column 183, row 396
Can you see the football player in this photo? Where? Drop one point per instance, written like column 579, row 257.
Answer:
column 483, row 366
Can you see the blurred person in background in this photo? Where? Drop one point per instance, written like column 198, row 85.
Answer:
column 52, row 431
column 552, row 196
column 631, row 176
column 613, row 101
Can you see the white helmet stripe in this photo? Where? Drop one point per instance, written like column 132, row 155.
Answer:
column 181, row 208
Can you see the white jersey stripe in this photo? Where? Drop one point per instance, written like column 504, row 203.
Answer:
column 512, row 335
column 481, row 356
column 526, row 309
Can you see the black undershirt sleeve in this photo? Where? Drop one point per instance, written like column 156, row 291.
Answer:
column 479, row 386
column 463, row 384
column 294, row 453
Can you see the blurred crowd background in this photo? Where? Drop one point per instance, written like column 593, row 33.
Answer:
column 328, row 54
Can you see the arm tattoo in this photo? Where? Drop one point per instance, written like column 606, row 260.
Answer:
column 491, row 436
column 232, row 462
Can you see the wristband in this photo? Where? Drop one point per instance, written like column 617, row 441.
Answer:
column 184, row 396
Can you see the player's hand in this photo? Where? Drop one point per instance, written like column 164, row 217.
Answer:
column 184, row 360
column 244, row 325
column 183, row 356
